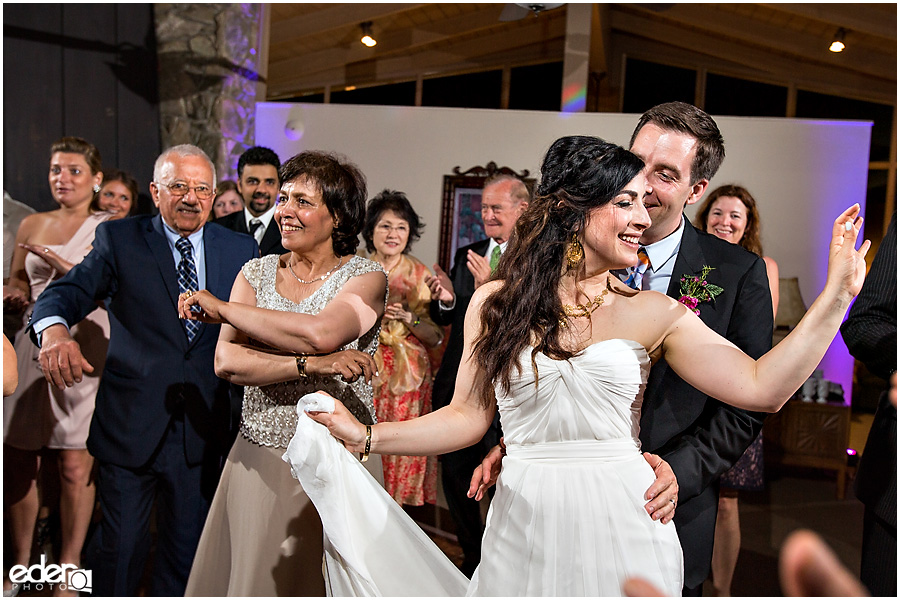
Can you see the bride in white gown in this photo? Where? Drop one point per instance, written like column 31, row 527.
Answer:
column 562, row 349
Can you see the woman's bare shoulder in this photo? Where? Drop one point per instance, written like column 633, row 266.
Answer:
column 645, row 299
column 654, row 308
column 486, row 290
column 34, row 223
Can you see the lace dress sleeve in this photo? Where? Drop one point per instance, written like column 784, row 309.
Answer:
column 253, row 270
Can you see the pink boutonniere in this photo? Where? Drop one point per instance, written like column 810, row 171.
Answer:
column 695, row 289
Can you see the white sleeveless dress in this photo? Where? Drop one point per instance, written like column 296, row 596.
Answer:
column 568, row 516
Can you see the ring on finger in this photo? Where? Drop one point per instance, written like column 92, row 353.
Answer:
column 46, row 250
column 672, row 500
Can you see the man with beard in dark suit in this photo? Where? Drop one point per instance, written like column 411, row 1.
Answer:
column 503, row 200
column 258, row 185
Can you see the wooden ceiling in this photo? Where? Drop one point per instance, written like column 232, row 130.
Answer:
column 316, row 46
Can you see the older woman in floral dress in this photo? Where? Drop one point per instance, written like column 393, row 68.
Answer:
column 410, row 342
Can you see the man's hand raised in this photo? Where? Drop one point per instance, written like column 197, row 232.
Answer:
column 440, row 285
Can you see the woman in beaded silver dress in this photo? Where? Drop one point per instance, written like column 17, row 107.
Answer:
column 286, row 314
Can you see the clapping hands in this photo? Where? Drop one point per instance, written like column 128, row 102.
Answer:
column 440, row 285
column 61, row 265
column 397, row 312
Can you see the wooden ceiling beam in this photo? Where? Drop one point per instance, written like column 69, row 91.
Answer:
column 286, row 75
column 735, row 51
column 778, row 70
column 445, row 64
column 866, row 18
column 534, row 42
column 334, row 17
column 389, row 43
column 763, row 35
column 684, row 20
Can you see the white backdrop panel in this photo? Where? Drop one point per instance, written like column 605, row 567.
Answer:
column 803, row 173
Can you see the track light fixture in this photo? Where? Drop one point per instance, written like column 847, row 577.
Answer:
column 367, row 38
column 838, row 44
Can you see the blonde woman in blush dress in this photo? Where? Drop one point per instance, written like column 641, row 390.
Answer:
column 410, row 342
column 38, row 415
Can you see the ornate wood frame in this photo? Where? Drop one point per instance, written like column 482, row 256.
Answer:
column 461, row 191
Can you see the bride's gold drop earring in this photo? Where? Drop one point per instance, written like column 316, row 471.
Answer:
column 574, row 254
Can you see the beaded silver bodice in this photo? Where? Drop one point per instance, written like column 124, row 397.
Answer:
column 269, row 415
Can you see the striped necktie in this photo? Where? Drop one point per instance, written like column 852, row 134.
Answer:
column 187, row 280
column 637, row 271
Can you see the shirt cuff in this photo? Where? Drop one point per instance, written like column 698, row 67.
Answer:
column 443, row 306
column 44, row 323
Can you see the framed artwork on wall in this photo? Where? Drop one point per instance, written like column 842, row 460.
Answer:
column 461, row 207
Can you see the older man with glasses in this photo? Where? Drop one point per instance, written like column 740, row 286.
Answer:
column 162, row 415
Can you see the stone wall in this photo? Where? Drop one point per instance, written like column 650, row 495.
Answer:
column 209, row 77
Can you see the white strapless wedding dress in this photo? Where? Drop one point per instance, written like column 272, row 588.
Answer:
column 567, row 518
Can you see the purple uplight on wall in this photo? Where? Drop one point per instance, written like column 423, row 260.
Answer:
column 832, row 191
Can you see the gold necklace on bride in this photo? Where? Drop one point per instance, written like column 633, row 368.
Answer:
column 583, row 310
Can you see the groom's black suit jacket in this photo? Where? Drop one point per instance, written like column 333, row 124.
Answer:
column 698, row 436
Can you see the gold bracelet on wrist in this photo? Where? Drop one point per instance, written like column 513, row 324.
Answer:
column 365, row 454
column 301, row 366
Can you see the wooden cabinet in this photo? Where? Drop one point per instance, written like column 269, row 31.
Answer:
column 809, row 434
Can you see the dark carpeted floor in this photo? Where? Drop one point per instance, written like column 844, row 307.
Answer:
column 793, row 499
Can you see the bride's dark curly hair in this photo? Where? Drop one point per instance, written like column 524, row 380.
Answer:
column 578, row 174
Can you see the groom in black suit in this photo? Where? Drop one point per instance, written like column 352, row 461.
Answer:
column 161, row 413
column 503, row 200
column 698, row 436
